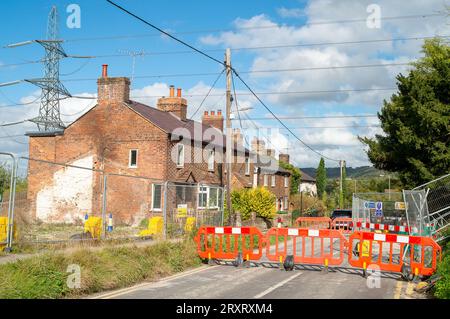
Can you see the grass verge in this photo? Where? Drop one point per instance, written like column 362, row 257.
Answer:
column 46, row 276
column 442, row 287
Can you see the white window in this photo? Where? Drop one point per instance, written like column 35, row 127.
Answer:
column 211, row 160
column 213, row 197
column 286, row 181
column 202, row 197
column 266, row 180
column 156, row 196
column 132, row 160
column 286, row 203
column 180, row 155
column 273, row 180
column 208, row 197
column 247, row 166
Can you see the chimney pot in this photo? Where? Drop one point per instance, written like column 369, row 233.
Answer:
column 205, row 113
column 219, row 112
column 179, row 92
column 213, row 113
column 105, row 70
column 172, row 91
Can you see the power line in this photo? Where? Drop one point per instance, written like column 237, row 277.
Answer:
column 261, row 71
column 166, row 33
column 312, row 117
column 207, row 94
column 13, row 123
column 280, row 121
column 429, row 15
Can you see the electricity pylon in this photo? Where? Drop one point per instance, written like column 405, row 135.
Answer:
column 49, row 118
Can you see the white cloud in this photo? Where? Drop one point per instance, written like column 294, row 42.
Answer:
column 261, row 30
column 290, row 13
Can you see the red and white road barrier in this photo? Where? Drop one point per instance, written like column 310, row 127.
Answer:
column 393, row 228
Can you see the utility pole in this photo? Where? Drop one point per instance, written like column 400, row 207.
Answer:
column 229, row 150
column 341, row 163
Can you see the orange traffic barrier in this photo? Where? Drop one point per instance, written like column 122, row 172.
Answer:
column 342, row 224
column 313, row 222
column 307, row 246
column 228, row 242
column 392, row 252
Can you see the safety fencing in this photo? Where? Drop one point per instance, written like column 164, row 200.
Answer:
column 229, row 242
column 307, row 246
column 313, row 222
column 394, row 253
column 410, row 256
column 48, row 203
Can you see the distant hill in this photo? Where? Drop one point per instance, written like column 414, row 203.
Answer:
column 352, row 172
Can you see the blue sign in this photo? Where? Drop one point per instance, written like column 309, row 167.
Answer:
column 378, row 213
column 369, row 204
column 379, row 206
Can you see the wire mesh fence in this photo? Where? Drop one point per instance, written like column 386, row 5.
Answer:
column 63, row 203
column 379, row 208
column 436, row 201
column 7, row 165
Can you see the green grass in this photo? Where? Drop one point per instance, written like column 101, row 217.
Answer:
column 442, row 287
column 45, row 276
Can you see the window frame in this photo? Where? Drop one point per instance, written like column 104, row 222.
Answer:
column 130, row 156
column 247, row 166
column 199, row 192
column 266, row 180
column 286, row 181
column 273, row 181
column 180, row 159
column 211, row 163
column 153, row 198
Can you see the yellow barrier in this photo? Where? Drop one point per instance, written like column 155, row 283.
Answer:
column 190, row 224
column 93, row 225
column 155, row 227
column 4, row 231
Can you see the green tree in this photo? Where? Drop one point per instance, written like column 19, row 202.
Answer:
column 416, row 121
column 258, row 200
column 296, row 176
column 321, row 178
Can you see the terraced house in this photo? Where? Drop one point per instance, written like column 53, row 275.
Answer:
column 141, row 148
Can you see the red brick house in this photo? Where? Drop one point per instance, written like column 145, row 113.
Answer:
column 120, row 136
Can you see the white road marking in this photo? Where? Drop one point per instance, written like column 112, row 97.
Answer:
column 278, row 285
column 124, row 291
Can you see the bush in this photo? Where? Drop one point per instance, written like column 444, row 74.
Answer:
column 442, row 287
column 258, row 200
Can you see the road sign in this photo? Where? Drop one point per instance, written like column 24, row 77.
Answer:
column 378, row 213
column 379, row 206
column 369, row 205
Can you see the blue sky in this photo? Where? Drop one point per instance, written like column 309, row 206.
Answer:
column 214, row 25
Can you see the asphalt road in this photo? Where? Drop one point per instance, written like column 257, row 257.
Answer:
column 226, row 281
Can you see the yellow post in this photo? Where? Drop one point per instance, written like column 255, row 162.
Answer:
column 326, row 262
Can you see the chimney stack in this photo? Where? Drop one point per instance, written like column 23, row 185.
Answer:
column 238, row 139
column 258, row 146
column 270, row 152
column 283, row 158
column 213, row 119
column 104, row 70
column 112, row 90
column 174, row 104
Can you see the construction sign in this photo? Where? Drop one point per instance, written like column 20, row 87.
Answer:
column 400, row 206
column 182, row 210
